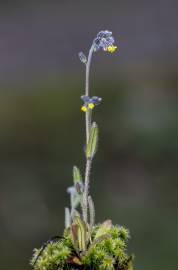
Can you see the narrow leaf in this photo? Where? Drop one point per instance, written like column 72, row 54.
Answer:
column 74, row 236
column 92, row 142
column 77, row 180
column 81, row 233
column 76, row 175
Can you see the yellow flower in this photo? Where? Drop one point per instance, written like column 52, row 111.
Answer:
column 111, row 49
column 84, row 108
column 91, row 105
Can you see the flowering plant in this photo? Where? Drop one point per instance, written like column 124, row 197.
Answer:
column 84, row 244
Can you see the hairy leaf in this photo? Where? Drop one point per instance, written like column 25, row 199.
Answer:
column 92, row 142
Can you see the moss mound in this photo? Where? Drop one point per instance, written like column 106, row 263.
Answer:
column 105, row 250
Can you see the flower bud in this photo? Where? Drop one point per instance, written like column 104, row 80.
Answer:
column 82, row 57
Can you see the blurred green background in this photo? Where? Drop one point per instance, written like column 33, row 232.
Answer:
column 42, row 133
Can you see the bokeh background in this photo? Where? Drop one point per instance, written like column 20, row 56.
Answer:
column 134, row 177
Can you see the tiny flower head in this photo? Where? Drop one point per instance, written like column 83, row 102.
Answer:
column 84, row 108
column 111, row 49
column 90, row 103
column 82, row 57
column 85, row 98
column 96, row 100
column 105, row 41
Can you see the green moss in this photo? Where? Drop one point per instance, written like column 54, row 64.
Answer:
column 104, row 254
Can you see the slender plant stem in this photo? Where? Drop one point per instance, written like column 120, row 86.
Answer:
column 86, row 189
column 88, row 120
column 88, row 112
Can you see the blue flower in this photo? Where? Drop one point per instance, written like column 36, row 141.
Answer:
column 105, row 41
column 90, row 103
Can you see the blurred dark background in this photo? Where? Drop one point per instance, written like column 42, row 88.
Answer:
column 134, row 177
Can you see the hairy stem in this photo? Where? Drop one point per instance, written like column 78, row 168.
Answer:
column 86, row 190
column 88, row 121
column 88, row 112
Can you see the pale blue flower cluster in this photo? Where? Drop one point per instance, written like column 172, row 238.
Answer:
column 103, row 40
column 90, row 102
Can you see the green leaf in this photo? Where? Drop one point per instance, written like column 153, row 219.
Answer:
column 92, row 142
column 76, row 175
column 79, row 233
column 74, row 236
